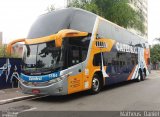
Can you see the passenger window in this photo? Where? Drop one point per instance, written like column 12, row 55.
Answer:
column 97, row 59
column 75, row 56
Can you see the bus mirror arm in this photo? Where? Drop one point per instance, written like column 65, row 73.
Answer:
column 65, row 33
column 58, row 42
column 9, row 46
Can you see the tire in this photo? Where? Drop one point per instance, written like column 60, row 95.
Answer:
column 138, row 78
column 144, row 70
column 96, row 84
column 141, row 76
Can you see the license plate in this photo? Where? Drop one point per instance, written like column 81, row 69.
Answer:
column 35, row 91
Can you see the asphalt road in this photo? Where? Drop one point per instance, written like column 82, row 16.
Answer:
column 134, row 96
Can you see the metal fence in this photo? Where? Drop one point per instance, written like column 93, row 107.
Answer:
column 156, row 66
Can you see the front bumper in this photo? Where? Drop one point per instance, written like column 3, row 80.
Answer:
column 58, row 88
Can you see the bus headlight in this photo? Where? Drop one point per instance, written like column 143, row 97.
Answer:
column 56, row 80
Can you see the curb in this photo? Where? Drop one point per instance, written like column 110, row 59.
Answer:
column 16, row 99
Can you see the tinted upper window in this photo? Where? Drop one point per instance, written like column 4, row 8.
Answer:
column 107, row 29
column 49, row 23
column 83, row 21
column 70, row 18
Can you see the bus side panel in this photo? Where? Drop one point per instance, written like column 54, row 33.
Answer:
column 120, row 77
column 121, row 65
column 75, row 83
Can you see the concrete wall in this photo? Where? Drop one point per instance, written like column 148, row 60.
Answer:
column 0, row 39
column 141, row 6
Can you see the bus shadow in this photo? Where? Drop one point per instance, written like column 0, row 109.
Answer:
column 121, row 84
column 83, row 94
column 117, row 85
column 62, row 99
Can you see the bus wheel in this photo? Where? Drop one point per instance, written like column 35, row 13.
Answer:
column 96, row 84
column 143, row 76
column 140, row 76
column 144, row 70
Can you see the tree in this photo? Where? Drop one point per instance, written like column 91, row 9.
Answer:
column 50, row 8
column 3, row 53
column 117, row 11
column 155, row 54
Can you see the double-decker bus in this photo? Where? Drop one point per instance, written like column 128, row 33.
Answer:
column 72, row 50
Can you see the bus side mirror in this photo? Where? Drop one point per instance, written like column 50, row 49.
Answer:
column 9, row 46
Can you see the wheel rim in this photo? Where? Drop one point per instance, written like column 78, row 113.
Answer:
column 139, row 77
column 95, row 84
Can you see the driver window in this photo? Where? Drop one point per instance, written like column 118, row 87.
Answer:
column 77, row 49
column 74, row 56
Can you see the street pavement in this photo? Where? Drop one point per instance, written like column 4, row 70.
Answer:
column 12, row 95
column 126, row 96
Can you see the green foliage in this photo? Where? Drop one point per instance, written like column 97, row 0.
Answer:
column 117, row 11
column 155, row 54
column 78, row 3
column 3, row 53
column 50, row 8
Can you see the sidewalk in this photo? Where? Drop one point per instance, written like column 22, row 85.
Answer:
column 12, row 95
column 156, row 71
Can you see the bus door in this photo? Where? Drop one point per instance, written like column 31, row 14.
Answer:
column 74, row 61
column 77, row 52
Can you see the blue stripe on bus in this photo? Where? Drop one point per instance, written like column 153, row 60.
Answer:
column 42, row 78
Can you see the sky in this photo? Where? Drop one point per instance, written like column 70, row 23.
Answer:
column 17, row 16
column 153, row 20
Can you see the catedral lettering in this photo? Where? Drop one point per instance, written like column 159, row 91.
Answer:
column 72, row 50
column 126, row 48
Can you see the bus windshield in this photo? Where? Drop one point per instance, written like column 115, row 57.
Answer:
column 39, row 57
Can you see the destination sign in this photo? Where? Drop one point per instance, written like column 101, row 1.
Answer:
column 41, row 78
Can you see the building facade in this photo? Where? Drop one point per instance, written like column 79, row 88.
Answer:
column 0, row 39
column 142, row 7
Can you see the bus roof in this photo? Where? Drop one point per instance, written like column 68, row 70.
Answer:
column 69, row 18
column 82, row 20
